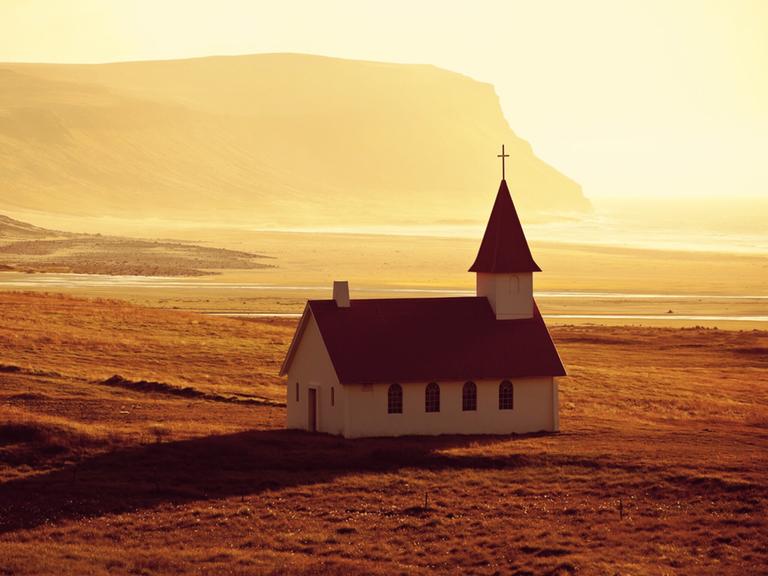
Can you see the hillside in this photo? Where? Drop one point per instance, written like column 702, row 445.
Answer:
column 659, row 467
column 11, row 229
column 274, row 139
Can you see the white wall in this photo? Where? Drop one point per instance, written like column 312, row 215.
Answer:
column 535, row 410
column 312, row 368
column 361, row 410
column 555, row 406
column 510, row 295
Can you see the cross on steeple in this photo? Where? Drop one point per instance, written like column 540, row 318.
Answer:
column 503, row 157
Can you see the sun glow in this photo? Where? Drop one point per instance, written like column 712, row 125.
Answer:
column 629, row 99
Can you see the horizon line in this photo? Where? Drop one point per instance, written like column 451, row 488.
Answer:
column 221, row 55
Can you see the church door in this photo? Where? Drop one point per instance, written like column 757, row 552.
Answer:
column 312, row 398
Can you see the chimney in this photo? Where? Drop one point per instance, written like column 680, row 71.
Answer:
column 341, row 293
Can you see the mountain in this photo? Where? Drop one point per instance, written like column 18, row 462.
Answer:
column 272, row 139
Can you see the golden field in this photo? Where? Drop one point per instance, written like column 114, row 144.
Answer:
column 659, row 467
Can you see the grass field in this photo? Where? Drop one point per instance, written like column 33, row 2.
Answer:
column 182, row 465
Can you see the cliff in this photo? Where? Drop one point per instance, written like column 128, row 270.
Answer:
column 273, row 139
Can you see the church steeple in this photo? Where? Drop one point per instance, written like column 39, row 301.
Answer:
column 504, row 264
column 504, row 247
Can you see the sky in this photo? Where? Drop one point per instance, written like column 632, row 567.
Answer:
column 631, row 98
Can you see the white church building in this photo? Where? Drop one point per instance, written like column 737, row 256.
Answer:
column 483, row 364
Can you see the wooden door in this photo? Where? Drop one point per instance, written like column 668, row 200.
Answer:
column 312, row 401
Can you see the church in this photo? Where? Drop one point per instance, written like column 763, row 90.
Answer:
column 484, row 364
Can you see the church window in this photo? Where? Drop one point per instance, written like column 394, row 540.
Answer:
column 506, row 395
column 395, row 399
column 432, row 397
column 297, row 391
column 333, row 396
column 469, row 397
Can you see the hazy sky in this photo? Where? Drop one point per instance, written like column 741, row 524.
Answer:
column 627, row 97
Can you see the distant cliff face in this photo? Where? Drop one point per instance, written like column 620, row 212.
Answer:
column 266, row 139
column 11, row 229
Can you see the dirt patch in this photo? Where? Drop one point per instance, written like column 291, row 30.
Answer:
column 597, row 340
column 19, row 433
column 28, row 397
column 758, row 351
column 184, row 392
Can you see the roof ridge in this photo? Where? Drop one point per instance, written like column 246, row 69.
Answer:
column 426, row 298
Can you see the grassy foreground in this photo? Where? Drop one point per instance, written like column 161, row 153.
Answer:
column 181, row 465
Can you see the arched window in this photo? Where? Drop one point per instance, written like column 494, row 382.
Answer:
column 395, row 399
column 297, row 391
column 333, row 396
column 469, row 396
column 432, row 397
column 506, row 395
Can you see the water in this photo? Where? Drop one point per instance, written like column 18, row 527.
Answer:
column 15, row 280
column 20, row 280
column 690, row 318
column 695, row 318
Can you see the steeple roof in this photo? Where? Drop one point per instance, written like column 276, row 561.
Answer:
column 504, row 248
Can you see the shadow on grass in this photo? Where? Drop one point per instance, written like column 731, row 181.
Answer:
column 221, row 466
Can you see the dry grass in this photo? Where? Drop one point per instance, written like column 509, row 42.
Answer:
column 96, row 339
column 660, row 467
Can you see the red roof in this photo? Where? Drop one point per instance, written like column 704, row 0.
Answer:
column 425, row 339
column 504, row 248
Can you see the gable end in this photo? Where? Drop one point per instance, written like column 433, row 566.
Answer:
column 296, row 340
